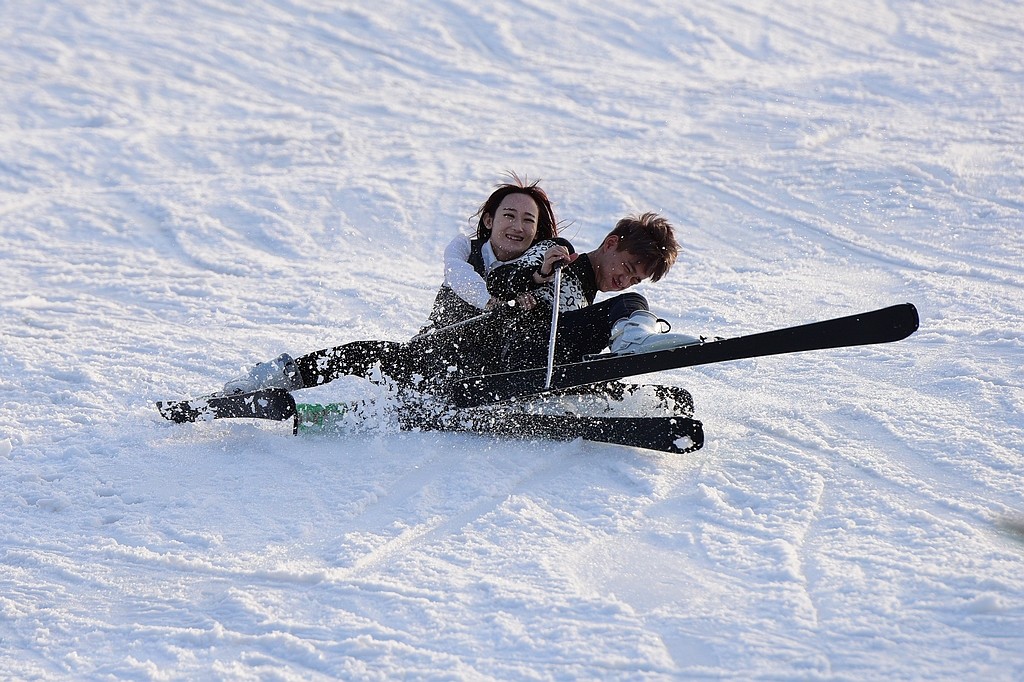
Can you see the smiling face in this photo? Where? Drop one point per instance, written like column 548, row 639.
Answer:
column 617, row 269
column 513, row 226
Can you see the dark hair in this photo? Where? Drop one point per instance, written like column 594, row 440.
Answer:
column 547, row 227
column 649, row 237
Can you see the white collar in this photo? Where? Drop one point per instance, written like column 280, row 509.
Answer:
column 490, row 260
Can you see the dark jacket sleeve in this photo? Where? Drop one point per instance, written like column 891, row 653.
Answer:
column 509, row 280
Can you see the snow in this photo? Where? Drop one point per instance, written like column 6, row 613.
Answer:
column 190, row 186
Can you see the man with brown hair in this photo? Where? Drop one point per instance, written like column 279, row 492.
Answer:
column 638, row 248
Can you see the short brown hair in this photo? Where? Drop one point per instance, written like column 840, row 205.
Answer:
column 650, row 238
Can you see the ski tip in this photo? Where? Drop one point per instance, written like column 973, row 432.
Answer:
column 910, row 321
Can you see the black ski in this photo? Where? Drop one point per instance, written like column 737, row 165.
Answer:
column 274, row 403
column 664, row 433
column 876, row 326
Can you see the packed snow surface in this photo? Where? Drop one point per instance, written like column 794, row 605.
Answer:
column 191, row 186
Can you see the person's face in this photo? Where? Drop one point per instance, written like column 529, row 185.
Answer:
column 617, row 270
column 513, row 226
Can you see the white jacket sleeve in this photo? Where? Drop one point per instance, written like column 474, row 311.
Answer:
column 460, row 275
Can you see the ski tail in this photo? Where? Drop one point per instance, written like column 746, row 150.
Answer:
column 273, row 404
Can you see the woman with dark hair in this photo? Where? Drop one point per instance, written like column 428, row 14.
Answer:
column 515, row 216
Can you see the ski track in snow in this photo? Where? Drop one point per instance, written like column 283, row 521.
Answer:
column 189, row 187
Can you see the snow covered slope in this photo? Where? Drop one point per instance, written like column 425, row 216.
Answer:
column 189, row 186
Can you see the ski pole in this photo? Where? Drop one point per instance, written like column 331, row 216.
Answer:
column 554, row 323
column 455, row 325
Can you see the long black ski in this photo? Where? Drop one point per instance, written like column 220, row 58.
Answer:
column 876, row 326
column 664, row 433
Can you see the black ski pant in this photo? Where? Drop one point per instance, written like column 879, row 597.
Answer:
column 588, row 330
column 504, row 341
column 581, row 332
